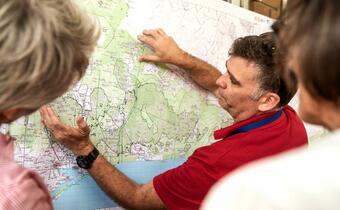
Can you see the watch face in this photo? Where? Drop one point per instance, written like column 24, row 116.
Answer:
column 82, row 162
column 85, row 162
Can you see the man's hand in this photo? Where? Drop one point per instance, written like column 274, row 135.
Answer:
column 166, row 49
column 76, row 139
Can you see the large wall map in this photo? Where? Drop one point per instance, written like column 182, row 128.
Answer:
column 144, row 118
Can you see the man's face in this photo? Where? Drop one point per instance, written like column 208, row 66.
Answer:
column 237, row 87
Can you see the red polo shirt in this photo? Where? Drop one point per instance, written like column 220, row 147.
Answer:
column 184, row 187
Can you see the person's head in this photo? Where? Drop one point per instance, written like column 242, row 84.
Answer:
column 44, row 48
column 309, row 37
column 252, row 85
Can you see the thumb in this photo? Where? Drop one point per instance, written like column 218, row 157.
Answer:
column 149, row 58
column 82, row 125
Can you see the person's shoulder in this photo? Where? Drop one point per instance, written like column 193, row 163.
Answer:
column 16, row 177
column 20, row 186
column 294, row 120
column 11, row 173
column 290, row 112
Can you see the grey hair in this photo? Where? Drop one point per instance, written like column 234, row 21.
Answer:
column 45, row 47
column 257, row 93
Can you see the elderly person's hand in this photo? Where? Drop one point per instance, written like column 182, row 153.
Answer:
column 76, row 139
column 165, row 48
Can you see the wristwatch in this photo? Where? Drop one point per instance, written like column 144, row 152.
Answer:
column 85, row 162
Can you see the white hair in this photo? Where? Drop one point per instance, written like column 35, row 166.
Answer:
column 44, row 48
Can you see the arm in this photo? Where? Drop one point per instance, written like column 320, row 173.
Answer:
column 118, row 186
column 167, row 51
column 122, row 189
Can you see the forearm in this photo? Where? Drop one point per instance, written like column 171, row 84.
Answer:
column 113, row 182
column 203, row 73
column 119, row 187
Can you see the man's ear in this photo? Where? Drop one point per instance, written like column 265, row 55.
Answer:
column 268, row 102
column 11, row 115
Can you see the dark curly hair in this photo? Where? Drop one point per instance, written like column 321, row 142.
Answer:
column 261, row 50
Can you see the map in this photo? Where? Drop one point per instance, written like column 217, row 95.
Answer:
column 144, row 118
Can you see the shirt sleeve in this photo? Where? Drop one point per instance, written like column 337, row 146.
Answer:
column 176, row 188
column 184, row 187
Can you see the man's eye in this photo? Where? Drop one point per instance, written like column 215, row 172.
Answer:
column 233, row 82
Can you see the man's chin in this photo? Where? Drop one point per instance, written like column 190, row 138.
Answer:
column 224, row 106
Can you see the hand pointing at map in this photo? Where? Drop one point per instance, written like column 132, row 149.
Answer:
column 165, row 48
column 76, row 139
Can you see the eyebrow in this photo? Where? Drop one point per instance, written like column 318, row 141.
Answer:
column 232, row 77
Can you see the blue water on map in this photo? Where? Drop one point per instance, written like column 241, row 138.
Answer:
column 84, row 194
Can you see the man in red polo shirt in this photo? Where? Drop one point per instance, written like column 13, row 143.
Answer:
column 251, row 91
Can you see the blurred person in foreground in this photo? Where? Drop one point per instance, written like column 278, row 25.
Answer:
column 308, row 178
column 44, row 48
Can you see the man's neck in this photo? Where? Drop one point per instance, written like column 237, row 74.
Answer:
column 246, row 115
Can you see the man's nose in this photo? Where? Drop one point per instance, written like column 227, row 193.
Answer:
column 221, row 82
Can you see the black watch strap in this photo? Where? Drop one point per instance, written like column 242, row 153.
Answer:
column 86, row 162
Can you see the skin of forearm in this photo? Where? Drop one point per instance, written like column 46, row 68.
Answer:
column 203, row 73
column 120, row 188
